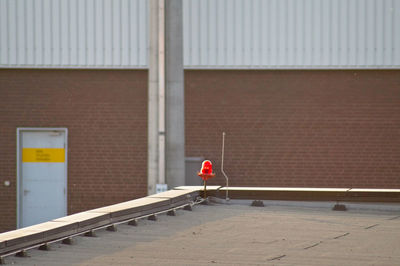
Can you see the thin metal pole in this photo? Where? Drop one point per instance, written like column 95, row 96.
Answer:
column 222, row 167
column 205, row 189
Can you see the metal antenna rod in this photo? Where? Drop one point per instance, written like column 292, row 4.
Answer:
column 222, row 167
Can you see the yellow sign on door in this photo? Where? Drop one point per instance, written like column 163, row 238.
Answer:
column 43, row 155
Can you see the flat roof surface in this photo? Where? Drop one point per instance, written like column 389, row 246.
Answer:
column 238, row 235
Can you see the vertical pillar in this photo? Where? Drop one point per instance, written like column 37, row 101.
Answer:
column 166, row 136
column 153, row 151
column 175, row 108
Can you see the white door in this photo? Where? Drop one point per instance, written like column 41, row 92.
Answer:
column 42, row 175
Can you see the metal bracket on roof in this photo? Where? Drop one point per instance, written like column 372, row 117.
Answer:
column 133, row 222
column 44, row 247
column 90, row 233
column 171, row 213
column 152, row 217
column 188, row 207
column 206, row 201
column 112, row 228
column 22, row 253
column 339, row 207
column 257, row 203
column 67, row 241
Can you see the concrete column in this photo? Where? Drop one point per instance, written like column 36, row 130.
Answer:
column 153, row 100
column 166, row 124
column 175, row 108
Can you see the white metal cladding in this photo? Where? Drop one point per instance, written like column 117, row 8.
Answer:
column 73, row 33
column 217, row 33
column 292, row 33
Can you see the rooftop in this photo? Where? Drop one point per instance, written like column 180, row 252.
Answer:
column 238, row 234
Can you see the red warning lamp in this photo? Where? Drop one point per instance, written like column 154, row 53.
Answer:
column 206, row 170
column 206, row 167
column 206, row 173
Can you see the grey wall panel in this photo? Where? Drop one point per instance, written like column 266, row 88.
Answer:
column 73, row 33
column 292, row 33
column 270, row 34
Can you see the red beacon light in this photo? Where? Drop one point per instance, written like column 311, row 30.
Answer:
column 205, row 174
column 206, row 170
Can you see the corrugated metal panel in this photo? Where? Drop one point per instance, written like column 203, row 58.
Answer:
column 292, row 33
column 73, row 33
column 217, row 33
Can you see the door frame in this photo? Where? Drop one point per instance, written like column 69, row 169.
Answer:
column 20, row 130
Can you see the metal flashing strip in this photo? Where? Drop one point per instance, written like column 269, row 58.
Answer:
column 310, row 194
column 76, row 224
column 175, row 195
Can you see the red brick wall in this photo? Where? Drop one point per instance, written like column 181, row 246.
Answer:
column 284, row 128
column 106, row 116
column 297, row 128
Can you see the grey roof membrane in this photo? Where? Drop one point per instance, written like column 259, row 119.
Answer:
column 238, row 235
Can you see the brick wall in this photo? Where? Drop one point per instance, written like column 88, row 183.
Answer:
column 284, row 128
column 106, row 116
column 297, row 128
